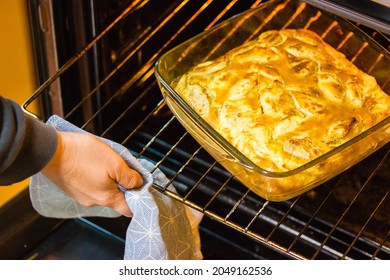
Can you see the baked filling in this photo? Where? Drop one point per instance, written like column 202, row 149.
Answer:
column 285, row 98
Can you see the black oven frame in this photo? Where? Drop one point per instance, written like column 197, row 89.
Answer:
column 289, row 229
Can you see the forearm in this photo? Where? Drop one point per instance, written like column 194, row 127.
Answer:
column 26, row 145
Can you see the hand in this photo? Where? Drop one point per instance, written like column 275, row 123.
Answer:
column 88, row 170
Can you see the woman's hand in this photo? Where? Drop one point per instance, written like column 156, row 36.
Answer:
column 88, row 170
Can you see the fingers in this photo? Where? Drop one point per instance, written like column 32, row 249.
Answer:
column 123, row 175
column 120, row 205
column 130, row 179
column 127, row 178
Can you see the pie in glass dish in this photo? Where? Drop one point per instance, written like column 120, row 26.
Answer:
column 285, row 98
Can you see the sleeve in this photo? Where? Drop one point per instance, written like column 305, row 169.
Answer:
column 26, row 144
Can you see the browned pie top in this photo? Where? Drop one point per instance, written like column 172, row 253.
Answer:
column 285, row 98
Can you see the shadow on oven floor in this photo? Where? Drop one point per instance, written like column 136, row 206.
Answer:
column 78, row 240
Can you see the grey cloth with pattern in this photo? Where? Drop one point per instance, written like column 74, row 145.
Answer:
column 161, row 227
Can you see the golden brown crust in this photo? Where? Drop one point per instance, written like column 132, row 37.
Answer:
column 285, row 98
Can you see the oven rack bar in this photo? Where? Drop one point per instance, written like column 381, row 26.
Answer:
column 310, row 233
column 133, row 6
column 310, row 226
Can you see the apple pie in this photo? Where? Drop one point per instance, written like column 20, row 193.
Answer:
column 285, row 98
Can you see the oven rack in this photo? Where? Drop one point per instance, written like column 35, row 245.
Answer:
column 131, row 111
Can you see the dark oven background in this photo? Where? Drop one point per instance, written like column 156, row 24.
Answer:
column 106, row 51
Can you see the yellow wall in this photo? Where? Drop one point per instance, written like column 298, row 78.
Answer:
column 16, row 65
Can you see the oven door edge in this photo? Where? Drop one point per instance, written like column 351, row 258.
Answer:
column 21, row 227
column 365, row 12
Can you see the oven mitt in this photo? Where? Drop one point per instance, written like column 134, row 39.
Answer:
column 161, row 227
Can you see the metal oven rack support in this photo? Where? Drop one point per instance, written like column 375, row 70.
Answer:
column 298, row 229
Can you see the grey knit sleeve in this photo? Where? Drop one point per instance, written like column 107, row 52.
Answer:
column 26, row 144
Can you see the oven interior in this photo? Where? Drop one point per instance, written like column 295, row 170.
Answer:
column 102, row 79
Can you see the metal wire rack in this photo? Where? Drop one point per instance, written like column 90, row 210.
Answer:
column 345, row 218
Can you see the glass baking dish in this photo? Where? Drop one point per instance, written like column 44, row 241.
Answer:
column 344, row 36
